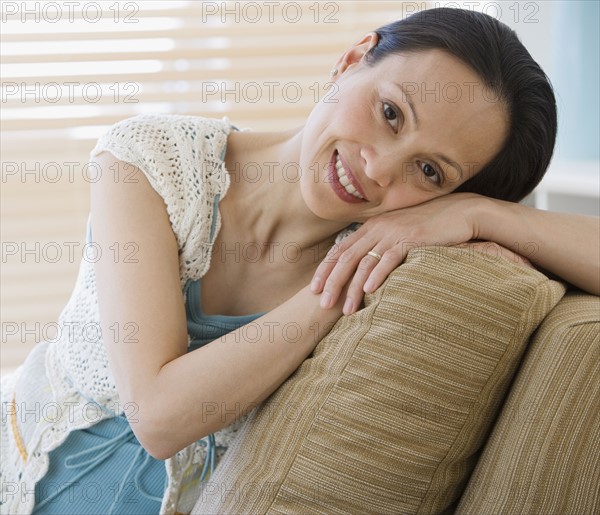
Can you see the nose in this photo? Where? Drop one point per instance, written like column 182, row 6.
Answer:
column 379, row 166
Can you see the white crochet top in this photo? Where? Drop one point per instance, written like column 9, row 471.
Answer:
column 67, row 384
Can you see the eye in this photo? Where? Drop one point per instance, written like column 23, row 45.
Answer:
column 431, row 173
column 390, row 113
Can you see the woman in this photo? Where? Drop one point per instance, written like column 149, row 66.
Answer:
column 203, row 251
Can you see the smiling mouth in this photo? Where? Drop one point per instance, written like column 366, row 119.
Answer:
column 343, row 181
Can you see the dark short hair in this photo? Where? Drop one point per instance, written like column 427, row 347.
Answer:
column 506, row 68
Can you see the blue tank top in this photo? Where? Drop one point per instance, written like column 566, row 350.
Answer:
column 204, row 328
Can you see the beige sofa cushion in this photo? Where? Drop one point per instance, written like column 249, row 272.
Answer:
column 542, row 456
column 388, row 412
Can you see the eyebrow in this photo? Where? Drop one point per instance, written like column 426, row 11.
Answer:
column 413, row 113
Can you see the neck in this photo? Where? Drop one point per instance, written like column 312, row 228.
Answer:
column 265, row 197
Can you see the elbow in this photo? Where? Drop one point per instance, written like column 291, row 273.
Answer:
column 157, row 446
column 154, row 447
column 153, row 432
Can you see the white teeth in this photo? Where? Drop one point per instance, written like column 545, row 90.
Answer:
column 344, row 181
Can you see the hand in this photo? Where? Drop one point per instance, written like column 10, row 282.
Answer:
column 444, row 221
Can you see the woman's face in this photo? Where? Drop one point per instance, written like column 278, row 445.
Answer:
column 409, row 129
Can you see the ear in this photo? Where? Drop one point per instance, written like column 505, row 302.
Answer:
column 356, row 52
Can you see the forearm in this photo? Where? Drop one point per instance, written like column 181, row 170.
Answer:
column 566, row 245
column 207, row 389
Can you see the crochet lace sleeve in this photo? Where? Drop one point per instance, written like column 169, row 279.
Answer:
column 182, row 158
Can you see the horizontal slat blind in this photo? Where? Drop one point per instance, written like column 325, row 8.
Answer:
column 71, row 69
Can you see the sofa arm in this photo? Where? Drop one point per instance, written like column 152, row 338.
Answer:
column 542, row 456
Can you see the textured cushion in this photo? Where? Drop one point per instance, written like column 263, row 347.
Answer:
column 387, row 413
column 542, row 456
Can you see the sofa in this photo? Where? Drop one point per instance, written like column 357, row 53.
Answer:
column 466, row 384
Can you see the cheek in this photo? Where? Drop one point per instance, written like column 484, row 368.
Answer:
column 356, row 118
column 344, row 114
column 348, row 109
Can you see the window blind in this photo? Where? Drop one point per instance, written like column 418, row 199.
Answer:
column 70, row 69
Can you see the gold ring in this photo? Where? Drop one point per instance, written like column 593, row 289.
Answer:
column 374, row 254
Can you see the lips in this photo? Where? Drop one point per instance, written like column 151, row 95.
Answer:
column 343, row 181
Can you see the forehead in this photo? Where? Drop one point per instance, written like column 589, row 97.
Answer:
column 437, row 77
column 433, row 62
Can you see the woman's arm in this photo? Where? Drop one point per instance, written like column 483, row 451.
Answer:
column 563, row 244
column 174, row 398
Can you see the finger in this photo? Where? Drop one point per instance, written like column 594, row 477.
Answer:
column 326, row 266
column 390, row 260
column 347, row 263
column 324, row 269
column 355, row 290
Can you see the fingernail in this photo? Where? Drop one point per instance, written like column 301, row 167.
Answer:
column 325, row 299
column 315, row 285
column 369, row 285
column 348, row 306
